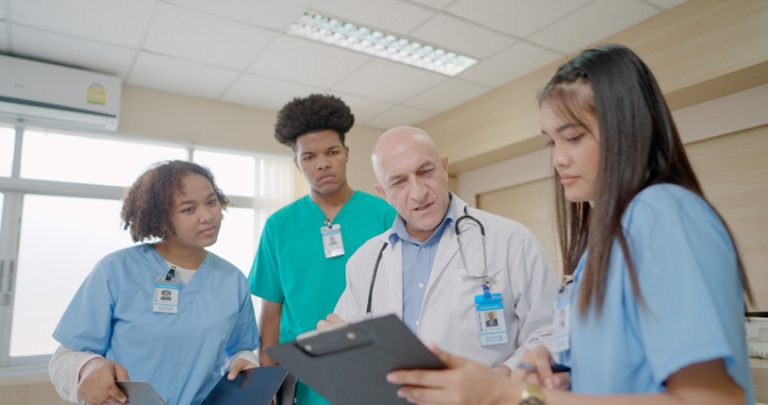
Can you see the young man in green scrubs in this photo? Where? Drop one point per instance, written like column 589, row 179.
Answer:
column 299, row 268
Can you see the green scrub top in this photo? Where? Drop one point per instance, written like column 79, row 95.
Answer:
column 291, row 268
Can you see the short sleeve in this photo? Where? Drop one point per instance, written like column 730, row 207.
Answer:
column 264, row 278
column 688, row 278
column 245, row 335
column 86, row 325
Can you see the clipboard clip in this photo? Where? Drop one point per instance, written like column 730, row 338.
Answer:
column 333, row 341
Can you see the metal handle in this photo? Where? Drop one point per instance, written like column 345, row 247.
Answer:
column 2, row 274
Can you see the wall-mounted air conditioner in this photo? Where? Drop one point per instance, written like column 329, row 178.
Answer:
column 51, row 94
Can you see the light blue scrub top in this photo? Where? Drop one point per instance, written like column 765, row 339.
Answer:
column 693, row 302
column 182, row 355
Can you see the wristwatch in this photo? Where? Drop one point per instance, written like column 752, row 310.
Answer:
column 532, row 395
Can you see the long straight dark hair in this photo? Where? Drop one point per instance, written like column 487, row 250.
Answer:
column 639, row 146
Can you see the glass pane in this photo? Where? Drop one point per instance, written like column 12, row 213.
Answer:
column 79, row 159
column 61, row 240
column 7, row 141
column 235, row 243
column 234, row 174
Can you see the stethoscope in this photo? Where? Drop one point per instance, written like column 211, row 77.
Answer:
column 457, row 228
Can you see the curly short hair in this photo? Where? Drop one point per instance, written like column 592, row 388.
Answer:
column 316, row 112
column 147, row 204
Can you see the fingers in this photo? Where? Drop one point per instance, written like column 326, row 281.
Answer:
column 426, row 396
column 335, row 319
column 330, row 320
column 503, row 370
column 563, row 381
column 97, row 383
column 421, row 378
column 121, row 374
column 236, row 367
column 115, row 394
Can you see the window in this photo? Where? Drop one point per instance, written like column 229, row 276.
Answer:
column 6, row 150
column 62, row 216
column 59, row 157
column 235, row 175
column 58, row 247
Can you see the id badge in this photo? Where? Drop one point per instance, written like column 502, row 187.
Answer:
column 166, row 297
column 333, row 245
column 561, row 322
column 491, row 324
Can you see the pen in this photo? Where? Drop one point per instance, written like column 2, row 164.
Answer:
column 556, row 367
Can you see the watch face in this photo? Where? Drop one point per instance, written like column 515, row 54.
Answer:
column 531, row 401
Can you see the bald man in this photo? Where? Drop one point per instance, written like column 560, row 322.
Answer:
column 437, row 272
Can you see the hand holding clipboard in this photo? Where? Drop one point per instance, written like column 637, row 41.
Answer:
column 348, row 365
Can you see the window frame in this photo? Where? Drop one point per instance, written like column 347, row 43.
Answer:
column 14, row 188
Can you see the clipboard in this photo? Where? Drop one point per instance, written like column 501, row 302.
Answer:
column 254, row 386
column 348, row 365
column 140, row 393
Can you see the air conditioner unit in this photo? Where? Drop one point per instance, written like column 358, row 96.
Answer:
column 50, row 94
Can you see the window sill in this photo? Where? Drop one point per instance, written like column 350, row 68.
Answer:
column 23, row 375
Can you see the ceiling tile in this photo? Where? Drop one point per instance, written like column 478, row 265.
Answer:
column 388, row 81
column 277, row 15
column 592, row 23
column 62, row 49
column 176, row 76
column 456, row 35
column 667, row 3
column 303, row 61
column 363, row 108
column 4, row 45
column 434, row 3
column 516, row 17
column 399, row 116
column 113, row 21
column 265, row 93
column 388, row 15
column 509, row 64
column 447, row 95
column 204, row 38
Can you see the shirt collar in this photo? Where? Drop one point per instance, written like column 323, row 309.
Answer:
column 400, row 232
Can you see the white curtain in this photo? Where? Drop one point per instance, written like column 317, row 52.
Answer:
column 274, row 189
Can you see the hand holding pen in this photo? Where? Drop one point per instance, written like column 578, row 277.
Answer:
column 537, row 366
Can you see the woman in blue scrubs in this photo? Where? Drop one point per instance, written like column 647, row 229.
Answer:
column 169, row 313
column 654, row 311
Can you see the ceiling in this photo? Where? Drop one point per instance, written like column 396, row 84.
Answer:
column 236, row 50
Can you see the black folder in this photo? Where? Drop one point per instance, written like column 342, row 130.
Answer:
column 254, row 386
column 348, row 365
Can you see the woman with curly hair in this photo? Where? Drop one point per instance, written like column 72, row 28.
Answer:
column 169, row 312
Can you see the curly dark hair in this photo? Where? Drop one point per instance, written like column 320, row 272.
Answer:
column 147, row 204
column 316, row 112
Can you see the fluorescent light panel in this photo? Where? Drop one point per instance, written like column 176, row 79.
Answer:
column 377, row 43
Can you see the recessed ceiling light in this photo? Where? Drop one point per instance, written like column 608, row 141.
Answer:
column 358, row 38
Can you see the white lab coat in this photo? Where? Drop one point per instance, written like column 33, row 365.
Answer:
column 517, row 268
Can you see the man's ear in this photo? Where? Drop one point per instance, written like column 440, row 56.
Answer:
column 444, row 161
column 380, row 190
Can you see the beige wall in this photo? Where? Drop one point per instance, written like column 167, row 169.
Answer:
column 700, row 50
column 155, row 115
column 32, row 394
